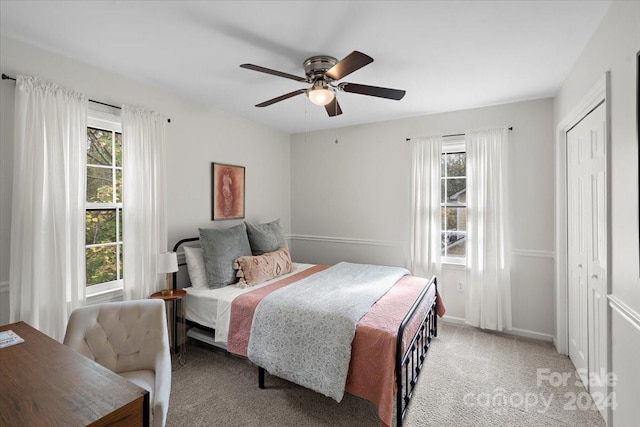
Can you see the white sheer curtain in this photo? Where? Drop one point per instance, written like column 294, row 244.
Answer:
column 144, row 200
column 488, row 298
column 47, row 269
column 426, row 154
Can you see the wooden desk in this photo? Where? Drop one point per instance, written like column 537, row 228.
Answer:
column 43, row 382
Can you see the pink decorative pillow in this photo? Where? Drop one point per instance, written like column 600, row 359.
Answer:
column 257, row 269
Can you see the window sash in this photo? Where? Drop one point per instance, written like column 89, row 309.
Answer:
column 453, row 147
column 110, row 123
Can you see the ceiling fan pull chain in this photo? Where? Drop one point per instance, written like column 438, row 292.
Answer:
column 336, row 128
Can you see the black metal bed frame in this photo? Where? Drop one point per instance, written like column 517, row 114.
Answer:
column 408, row 364
column 174, row 285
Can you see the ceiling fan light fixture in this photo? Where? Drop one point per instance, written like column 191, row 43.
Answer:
column 320, row 95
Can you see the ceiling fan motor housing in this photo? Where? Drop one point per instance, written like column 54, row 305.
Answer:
column 316, row 66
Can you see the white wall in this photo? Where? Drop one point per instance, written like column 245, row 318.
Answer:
column 613, row 48
column 350, row 201
column 196, row 136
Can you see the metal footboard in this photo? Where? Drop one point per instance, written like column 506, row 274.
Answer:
column 409, row 363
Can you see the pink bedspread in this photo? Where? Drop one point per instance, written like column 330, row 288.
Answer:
column 243, row 307
column 372, row 368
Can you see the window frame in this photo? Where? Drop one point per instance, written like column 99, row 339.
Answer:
column 452, row 145
column 113, row 123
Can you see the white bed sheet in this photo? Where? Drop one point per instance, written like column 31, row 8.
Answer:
column 212, row 307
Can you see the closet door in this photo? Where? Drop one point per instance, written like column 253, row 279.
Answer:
column 597, row 256
column 577, row 221
column 587, row 251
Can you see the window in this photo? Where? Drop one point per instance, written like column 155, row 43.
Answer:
column 453, row 210
column 103, row 236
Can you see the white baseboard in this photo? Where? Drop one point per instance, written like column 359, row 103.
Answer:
column 515, row 331
column 454, row 320
column 530, row 334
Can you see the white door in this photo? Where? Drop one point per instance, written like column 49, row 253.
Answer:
column 597, row 257
column 577, row 220
column 587, row 251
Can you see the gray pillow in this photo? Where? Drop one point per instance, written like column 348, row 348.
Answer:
column 220, row 248
column 265, row 238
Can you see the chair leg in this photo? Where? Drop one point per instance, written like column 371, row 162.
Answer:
column 261, row 378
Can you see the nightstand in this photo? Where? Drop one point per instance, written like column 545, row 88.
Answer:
column 176, row 298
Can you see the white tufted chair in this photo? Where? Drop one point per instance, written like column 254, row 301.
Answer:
column 129, row 338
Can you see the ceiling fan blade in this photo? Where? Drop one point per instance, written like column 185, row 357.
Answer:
column 281, row 98
column 273, row 72
column 350, row 63
column 333, row 108
column 380, row 92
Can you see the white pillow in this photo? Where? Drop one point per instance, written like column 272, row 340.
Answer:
column 195, row 267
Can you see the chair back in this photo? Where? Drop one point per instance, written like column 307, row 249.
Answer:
column 121, row 336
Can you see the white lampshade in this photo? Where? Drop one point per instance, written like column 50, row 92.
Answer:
column 167, row 262
column 319, row 94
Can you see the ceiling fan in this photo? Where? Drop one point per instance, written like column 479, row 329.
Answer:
column 323, row 72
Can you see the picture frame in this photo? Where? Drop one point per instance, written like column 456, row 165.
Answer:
column 227, row 191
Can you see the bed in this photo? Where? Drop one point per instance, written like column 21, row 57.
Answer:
column 387, row 351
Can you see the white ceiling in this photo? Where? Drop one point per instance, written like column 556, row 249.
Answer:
column 447, row 55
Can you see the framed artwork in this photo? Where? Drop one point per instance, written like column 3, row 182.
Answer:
column 227, row 191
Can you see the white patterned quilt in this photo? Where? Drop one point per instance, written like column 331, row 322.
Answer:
column 303, row 332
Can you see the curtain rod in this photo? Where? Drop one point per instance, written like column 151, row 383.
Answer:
column 5, row 77
column 459, row 134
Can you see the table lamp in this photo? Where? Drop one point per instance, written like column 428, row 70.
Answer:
column 167, row 263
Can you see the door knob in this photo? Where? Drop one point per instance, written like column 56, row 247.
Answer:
column 579, row 265
column 594, row 276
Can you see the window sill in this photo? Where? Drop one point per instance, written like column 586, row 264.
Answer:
column 110, row 295
column 454, row 265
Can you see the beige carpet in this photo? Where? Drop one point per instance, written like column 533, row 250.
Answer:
column 472, row 378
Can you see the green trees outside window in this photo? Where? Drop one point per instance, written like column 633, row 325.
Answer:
column 103, row 224
column 453, row 209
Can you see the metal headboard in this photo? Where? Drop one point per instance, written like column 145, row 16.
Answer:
column 184, row 261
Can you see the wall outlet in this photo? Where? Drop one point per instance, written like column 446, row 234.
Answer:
column 460, row 287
